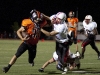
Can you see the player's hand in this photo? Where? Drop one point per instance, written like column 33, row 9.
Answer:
column 91, row 36
column 70, row 25
column 26, row 38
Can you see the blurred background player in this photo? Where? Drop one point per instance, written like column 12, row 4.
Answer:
column 73, row 61
column 72, row 27
column 90, row 31
column 31, row 29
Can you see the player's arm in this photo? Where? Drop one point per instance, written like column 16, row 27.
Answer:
column 48, row 62
column 48, row 20
column 95, row 31
column 52, row 33
column 19, row 33
column 81, row 30
column 46, row 17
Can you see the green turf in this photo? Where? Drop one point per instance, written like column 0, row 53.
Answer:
column 90, row 64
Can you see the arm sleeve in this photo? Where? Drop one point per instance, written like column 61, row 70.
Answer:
column 95, row 25
column 58, row 29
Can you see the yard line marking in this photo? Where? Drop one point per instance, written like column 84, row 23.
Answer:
column 21, row 64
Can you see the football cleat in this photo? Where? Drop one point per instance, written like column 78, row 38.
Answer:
column 78, row 54
column 99, row 56
column 59, row 67
column 32, row 64
column 5, row 69
column 41, row 70
column 65, row 70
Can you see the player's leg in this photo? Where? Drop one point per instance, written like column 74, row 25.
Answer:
column 95, row 48
column 59, row 48
column 75, row 39
column 78, row 66
column 77, row 62
column 76, row 44
column 65, row 54
column 83, row 45
column 22, row 48
column 31, row 54
column 46, row 64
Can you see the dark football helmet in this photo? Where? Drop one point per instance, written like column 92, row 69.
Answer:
column 36, row 15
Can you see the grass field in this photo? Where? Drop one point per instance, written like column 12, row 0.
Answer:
column 89, row 64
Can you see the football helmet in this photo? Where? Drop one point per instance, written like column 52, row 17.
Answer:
column 61, row 16
column 53, row 19
column 71, row 14
column 88, row 17
column 36, row 15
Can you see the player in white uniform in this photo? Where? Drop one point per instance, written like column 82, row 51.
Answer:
column 90, row 32
column 62, row 41
column 73, row 61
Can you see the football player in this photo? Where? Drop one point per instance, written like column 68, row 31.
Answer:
column 31, row 27
column 73, row 61
column 60, row 30
column 72, row 27
column 90, row 31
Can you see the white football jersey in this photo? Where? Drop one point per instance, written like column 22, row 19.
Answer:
column 62, row 30
column 89, row 27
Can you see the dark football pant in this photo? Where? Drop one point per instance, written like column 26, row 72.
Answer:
column 62, row 52
column 88, row 41
column 73, row 36
column 31, row 51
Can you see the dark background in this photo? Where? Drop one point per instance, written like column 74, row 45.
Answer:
column 15, row 10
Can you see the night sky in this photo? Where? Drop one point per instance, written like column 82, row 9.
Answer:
column 16, row 10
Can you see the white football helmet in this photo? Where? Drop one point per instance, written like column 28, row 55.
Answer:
column 61, row 15
column 52, row 17
column 88, row 17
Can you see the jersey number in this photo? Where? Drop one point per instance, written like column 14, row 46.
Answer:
column 36, row 33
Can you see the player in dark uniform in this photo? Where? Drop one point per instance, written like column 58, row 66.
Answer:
column 31, row 28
